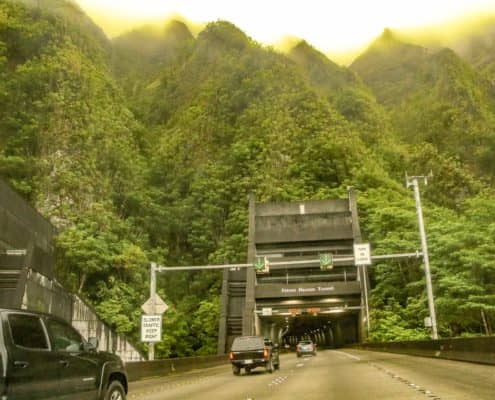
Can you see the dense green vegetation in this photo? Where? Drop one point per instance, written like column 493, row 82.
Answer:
column 147, row 147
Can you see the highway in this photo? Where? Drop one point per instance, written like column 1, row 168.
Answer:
column 332, row 374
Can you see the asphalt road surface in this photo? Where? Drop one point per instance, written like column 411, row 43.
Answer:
column 332, row 374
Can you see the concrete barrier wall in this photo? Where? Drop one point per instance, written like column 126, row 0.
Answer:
column 87, row 322
column 477, row 350
column 33, row 285
column 149, row 369
column 46, row 295
column 22, row 227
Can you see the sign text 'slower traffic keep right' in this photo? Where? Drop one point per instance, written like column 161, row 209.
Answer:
column 151, row 328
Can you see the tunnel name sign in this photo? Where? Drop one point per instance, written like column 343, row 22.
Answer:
column 270, row 290
column 315, row 289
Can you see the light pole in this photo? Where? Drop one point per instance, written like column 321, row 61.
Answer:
column 413, row 181
column 151, row 346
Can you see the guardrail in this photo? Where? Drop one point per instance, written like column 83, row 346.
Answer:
column 149, row 369
column 478, row 350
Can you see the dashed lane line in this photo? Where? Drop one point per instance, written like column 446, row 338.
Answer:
column 427, row 393
column 278, row 381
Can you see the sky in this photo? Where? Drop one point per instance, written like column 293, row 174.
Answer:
column 333, row 26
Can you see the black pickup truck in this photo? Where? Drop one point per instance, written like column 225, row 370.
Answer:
column 43, row 357
column 249, row 352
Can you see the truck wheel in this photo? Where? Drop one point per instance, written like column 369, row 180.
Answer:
column 269, row 366
column 248, row 370
column 115, row 391
column 236, row 370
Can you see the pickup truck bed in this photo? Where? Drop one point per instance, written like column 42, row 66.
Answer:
column 250, row 352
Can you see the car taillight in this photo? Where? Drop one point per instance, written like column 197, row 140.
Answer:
column 265, row 353
column 231, row 356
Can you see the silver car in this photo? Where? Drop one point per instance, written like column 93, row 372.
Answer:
column 306, row 347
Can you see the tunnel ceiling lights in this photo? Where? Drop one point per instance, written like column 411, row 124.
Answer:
column 292, row 302
column 331, row 300
column 336, row 311
column 328, row 300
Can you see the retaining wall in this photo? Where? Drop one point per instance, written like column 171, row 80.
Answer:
column 149, row 369
column 47, row 295
column 477, row 350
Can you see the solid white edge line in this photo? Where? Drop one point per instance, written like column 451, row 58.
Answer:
column 347, row 354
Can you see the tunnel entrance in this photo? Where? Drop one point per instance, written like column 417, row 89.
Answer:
column 297, row 297
column 327, row 331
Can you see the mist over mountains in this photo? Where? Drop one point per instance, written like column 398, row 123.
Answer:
column 146, row 147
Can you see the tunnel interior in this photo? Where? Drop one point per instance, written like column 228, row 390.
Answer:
column 326, row 330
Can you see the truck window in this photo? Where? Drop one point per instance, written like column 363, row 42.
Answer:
column 63, row 336
column 248, row 343
column 27, row 331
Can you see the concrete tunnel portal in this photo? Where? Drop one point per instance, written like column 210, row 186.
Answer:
column 297, row 299
column 312, row 304
column 330, row 331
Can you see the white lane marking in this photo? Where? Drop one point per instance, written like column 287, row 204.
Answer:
column 278, row 381
column 299, row 365
column 405, row 381
column 347, row 354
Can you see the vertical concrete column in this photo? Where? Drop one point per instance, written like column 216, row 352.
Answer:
column 222, row 323
column 20, row 297
column 337, row 334
column 248, row 318
column 265, row 329
column 331, row 341
column 272, row 333
column 257, row 324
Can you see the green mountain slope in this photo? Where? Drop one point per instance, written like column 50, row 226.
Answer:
column 68, row 143
column 344, row 90
column 147, row 147
column 246, row 119
column 435, row 98
column 478, row 47
column 139, row 57
column 69, row 11
column 391, row 68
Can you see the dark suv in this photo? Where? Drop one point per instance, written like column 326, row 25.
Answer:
column 43, row 357
column 249, row 352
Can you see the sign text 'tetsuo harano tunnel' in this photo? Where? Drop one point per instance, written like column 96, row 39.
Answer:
column 300, row 296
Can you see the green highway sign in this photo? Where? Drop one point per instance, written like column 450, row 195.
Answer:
column 326, row 261
column 261, row 265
